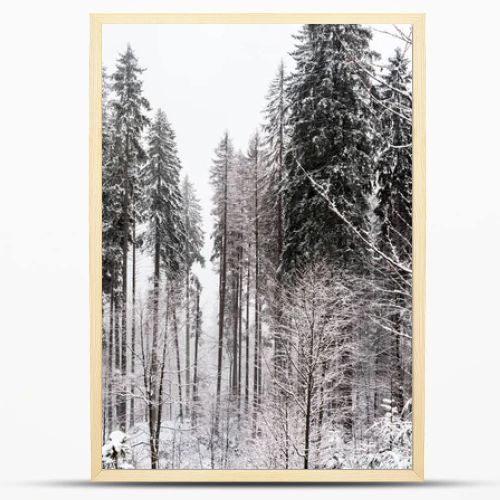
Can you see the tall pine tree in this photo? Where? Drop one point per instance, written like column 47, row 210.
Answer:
column 276, row 140
column 130, row 120
column 394, row 175
column 331, row 142
column 219, row 178
column 192, row 247
column 163, row 237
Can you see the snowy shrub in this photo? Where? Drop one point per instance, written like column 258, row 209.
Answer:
column 116, row 453
column 393, row 434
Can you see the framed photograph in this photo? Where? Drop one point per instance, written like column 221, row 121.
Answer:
column 257, row 247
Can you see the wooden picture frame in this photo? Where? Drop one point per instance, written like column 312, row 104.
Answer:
column 414, row 474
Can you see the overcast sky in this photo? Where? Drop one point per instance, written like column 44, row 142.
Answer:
column 208, row 79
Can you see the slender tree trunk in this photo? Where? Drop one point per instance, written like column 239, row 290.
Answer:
column 124, row 333
column 247, row 338
column 177, row 355
column 279, row 350
column 153, row 373
column 150, row 401
column 256, row 304
column 240, row 295
column 124, row 326
column 234, row 387
column 196, row 344
column 117, row 352
column 154, row 368
column 159, row 402
column 259, row 391
column 132, row 340
column 117, row 336
column 110, row 357
column 255, row 367
column 307, row 430
column 152, row 436
column 188, row 345
column 222, row 293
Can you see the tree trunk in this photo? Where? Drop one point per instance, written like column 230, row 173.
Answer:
column 222, row 294
column 117, row 352
column 132, row 340
column 279, row 350
column 396, row 367
column 122, row 407
column 196, row 344
column 112, row 348
column 188, row 345
column 240, row 295
column 307, row 430
column 159, row 402
column 110, row 358
column 234, row 314
column 259, row 366
column 247, row 338
column 153, row 371
column 346, row 387
column 177, row 354
column 256, row 304
column 150, row 402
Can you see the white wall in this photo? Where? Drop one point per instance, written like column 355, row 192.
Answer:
column 44, row 374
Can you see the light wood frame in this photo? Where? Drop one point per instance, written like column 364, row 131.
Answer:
column 412, row 475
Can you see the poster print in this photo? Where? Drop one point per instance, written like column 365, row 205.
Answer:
column 257, row 247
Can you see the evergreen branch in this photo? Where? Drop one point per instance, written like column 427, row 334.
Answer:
column 322, row 192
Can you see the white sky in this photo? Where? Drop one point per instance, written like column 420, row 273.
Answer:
column 208, row 79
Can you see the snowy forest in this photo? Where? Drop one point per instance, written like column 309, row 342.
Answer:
column 309, row 365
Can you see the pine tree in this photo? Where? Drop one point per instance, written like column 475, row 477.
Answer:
column 330, row 140
column 276, row 141
column 164, row 233
column 236, row 228
column 130, row 120
column 192, row 247
column 394, row 169
column 111, row 199
column 163, row 205
column 111, row 250
column 255, row 163
column 222, row 165
column 275, row 128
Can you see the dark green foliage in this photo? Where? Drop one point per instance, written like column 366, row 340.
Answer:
column 111, row 200
column 394, row 166
column 330, row 138
column 123, row 122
